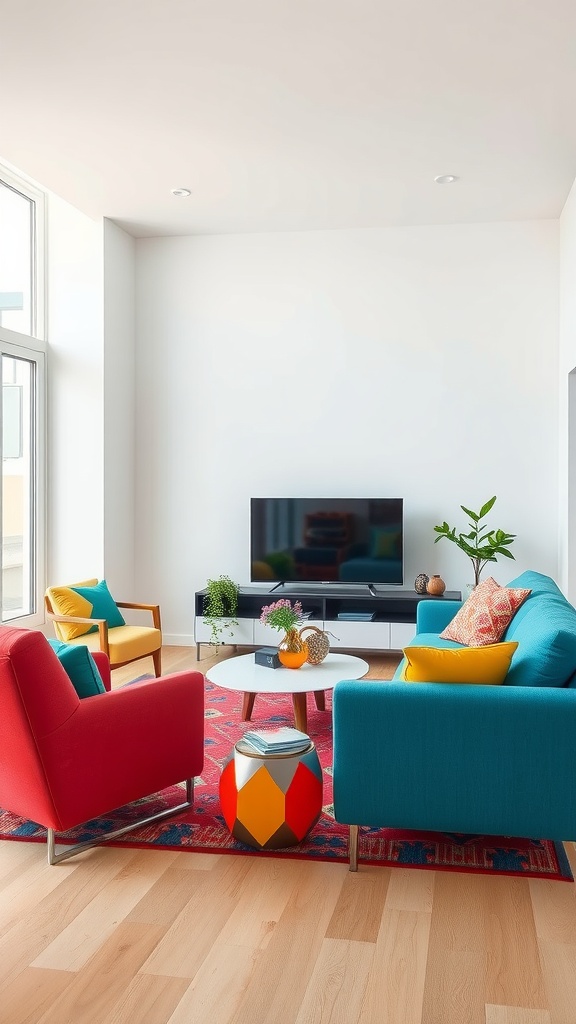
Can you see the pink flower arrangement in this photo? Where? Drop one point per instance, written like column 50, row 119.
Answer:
column 282, row 614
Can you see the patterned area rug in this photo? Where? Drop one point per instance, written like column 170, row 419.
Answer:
column 204, row 829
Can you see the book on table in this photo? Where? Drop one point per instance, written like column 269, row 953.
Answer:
column 277, row 741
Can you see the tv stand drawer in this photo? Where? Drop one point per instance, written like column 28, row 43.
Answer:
column 362, row 635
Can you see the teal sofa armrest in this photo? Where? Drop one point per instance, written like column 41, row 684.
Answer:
column 494, row 760
column 434, row 616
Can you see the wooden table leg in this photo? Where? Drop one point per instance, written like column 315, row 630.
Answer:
column 248, row 706
column 320, row 699
column 300, row 717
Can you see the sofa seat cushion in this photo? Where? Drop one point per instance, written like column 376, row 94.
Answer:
column 126, row 643
column 545, row 628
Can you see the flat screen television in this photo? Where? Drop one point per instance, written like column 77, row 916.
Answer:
column 339, row 540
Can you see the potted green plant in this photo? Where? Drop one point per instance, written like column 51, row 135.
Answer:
column 480, row 544
column 220, row 606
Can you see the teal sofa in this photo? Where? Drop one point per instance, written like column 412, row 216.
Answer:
column 493, row 760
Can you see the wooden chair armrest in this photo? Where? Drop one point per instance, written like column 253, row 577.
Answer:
column 72, row 618
column 154, row 608
column 101, row 623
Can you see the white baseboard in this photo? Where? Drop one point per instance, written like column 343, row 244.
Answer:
column 178, row 640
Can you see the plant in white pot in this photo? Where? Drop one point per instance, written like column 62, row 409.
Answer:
column 481, row 544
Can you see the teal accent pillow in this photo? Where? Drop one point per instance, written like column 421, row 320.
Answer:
column 103, row 605
column 80, row 667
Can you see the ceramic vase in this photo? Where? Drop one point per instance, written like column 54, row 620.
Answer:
column 292, row 650
column 436, row 586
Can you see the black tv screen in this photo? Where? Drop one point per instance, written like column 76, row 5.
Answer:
column 340, row 540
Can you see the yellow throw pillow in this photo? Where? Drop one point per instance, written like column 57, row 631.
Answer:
column 488, row 664
column 65, row 601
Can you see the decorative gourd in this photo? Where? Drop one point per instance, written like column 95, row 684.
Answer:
column 318, row 644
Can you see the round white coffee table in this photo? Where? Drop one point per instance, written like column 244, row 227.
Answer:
column 242, row 673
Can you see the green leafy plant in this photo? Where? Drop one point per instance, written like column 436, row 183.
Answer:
column 220, row 606
column 480, row 544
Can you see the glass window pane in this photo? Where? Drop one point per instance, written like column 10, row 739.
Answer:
column 18, row 459
column 16, row 279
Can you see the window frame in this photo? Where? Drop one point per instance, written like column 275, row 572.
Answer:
column 38, row 250
column 33, row 347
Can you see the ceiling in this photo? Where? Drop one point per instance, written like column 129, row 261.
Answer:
column 290, row 115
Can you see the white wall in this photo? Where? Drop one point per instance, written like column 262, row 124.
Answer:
column 91, row 429
column 119, row 412
column 414, row 362
column 75, row 395
column 567, row 397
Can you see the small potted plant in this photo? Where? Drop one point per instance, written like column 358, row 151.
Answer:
column 284, row 615
column 480, row 544
column 220, row 606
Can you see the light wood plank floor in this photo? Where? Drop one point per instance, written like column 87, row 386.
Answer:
column 155, row 937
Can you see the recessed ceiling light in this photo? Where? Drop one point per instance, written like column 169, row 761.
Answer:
column 181, row 192
column 446, row 179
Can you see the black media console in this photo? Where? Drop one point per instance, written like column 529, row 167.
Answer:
column 390, row 628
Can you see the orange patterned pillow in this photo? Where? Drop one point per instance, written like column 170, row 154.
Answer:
column 485, row 616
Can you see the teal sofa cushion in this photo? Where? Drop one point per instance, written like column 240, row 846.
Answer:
column 545, row 628
column 80, row 668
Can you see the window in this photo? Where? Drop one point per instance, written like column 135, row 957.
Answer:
column 22, row 576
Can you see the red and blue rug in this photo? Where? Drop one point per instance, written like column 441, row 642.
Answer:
column 203, row 829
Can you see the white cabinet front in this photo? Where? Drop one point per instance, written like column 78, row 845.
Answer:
column 362, row 635
column 243, row 633
column 401, row 634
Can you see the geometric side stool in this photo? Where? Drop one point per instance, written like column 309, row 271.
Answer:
column 271, row 800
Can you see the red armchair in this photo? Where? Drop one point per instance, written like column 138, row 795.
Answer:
column 64, row 760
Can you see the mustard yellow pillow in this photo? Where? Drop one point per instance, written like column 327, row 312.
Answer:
column 66, row 601
column 488, row 665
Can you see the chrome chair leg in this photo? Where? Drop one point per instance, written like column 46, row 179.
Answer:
column 72, row 851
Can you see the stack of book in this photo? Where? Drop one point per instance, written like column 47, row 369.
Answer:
column 356, row 616
column 277, row 741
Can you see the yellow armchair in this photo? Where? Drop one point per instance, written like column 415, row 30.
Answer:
column 75, row 609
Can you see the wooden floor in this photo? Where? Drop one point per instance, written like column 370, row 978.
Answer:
column 122, row 936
